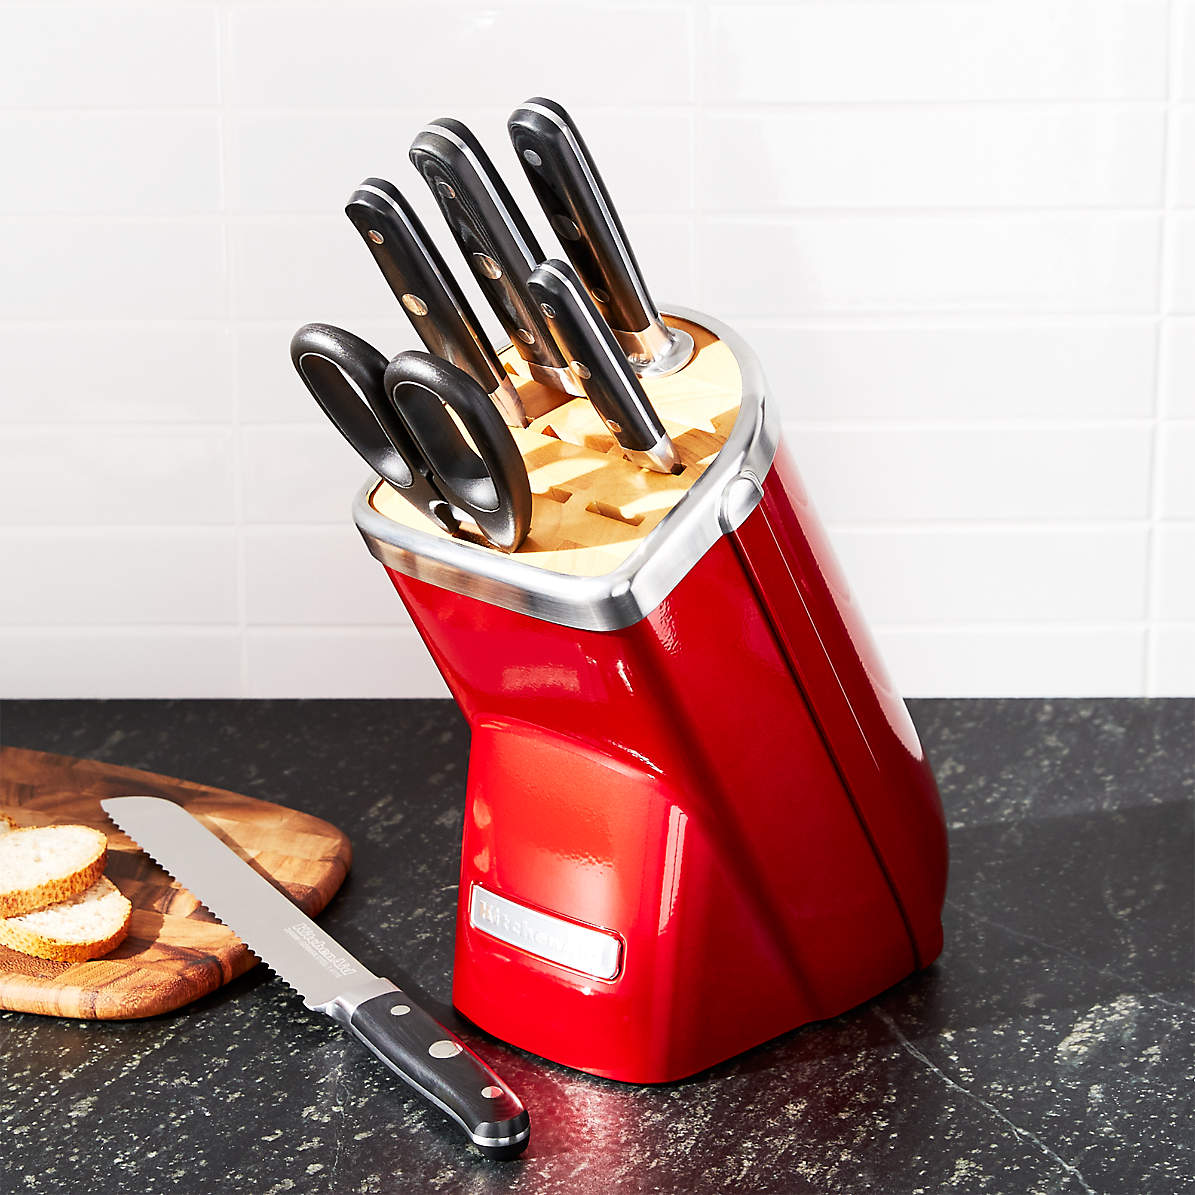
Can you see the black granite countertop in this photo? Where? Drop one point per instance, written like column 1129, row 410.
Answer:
column 1048, row 1050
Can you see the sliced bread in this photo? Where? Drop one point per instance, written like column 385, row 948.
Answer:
column 46, row 864
column 74, row 930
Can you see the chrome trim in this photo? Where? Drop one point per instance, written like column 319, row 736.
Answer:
column 652, row 570
column 660, row 457
column 341, row 1008
column 657, row 350
column 584, row 948
column 506, row 399
column 557, row 377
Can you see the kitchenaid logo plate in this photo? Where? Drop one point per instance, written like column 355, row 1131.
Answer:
column 590, row 951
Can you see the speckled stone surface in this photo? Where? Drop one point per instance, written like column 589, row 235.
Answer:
column 1049, row 1050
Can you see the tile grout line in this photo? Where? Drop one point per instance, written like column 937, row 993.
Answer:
column 238, row 448
column 1166, row 238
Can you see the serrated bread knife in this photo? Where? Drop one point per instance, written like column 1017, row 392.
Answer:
column 408, row 1040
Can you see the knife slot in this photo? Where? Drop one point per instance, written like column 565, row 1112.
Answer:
column 577, row 469
column 612, row 512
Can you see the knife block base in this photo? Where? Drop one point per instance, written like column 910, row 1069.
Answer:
column 690, row 834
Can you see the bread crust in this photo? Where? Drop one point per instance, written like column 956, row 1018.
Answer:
column 16, row 901
column 58, row 950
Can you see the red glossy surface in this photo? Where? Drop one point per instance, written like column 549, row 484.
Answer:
column 862, row 718
column 669, row 782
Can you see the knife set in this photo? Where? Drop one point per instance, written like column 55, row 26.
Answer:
column 697, row 813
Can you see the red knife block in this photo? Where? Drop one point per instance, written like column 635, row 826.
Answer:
column 698, row 814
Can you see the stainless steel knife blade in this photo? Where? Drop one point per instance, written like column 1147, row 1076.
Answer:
column 404, row 1036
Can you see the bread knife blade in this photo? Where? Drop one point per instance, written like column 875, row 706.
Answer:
column 411, row 1042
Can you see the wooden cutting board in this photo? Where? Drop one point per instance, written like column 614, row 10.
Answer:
column 176, row 951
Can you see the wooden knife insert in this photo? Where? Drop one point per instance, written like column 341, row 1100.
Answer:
column 590, row 506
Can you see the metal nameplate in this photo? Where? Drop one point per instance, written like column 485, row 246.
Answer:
column 578, row 947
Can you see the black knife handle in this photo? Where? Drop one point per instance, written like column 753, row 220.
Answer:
column 487, row 480
column 347, row 377
column 566, row 181
column 426, row 289
column 492, row 234
column 600, row 364
column 444, row 1071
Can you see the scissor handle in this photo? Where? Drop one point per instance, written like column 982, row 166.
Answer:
column 485, row 479
column 346, row 376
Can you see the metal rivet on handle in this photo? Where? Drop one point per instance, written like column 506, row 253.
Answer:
column 376, row 236
column 532, row 158
column 445, row 189
column 548, row 310
column 400, row 1010
column 491, row 1092
column 600, row 296
column 525, row 336
column 582, row 371
column 414, row 304
column 487, row 265
column 566, row 228
column 614, row 426
column 444, row 1049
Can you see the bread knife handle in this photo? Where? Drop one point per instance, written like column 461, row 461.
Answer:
column 438, row 1065
column 566, row 181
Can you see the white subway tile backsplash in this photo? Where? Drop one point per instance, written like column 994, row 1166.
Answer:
column 316, row 576
column 315, row 662
column 357, row 57
column 270, row 390
column 1176, row 572
column 98, row 476
column 75, row 55
column 1023, row 264
column 1177, row 465
column 1186, row 55
column 873, row 474
column 948, row 229
column 1179, row 375
column 310, row 161
column 1015, row 661
column 939, row 576
column 142, row 371
column 1182, row 286
column 64, row 268
column 770, row 160
column 111, row 662
column 305, row 473
column 305, row 267
column 88, row 163
column 950, row 371
column 1173, row 661
column 1184, row 162
column 110, row 576
column 1068, row 49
